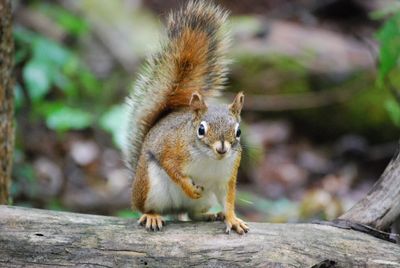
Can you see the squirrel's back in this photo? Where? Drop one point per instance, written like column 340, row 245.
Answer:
column 192, row 59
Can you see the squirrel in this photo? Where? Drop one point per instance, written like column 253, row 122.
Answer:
column 184, row 150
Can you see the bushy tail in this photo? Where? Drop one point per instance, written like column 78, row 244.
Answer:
column 192, row 59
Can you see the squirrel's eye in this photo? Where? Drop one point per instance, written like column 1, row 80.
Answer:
column 201, row 132
column 238, row 132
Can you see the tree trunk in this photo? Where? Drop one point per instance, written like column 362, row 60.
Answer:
column 381, row 206
column 6, row 99
column 40, row 238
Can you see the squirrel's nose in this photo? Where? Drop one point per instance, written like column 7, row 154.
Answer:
column 221, row 150
column 221, row 147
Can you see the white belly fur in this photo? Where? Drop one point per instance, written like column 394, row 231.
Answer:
column 165, row 196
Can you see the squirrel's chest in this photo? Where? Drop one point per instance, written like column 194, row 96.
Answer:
column 209, row 172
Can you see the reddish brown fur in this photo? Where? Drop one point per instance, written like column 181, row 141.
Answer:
column 197, row 104
column 190, row 69
column 150, row 119
column 140, row 185
column 237, row 104
column 173, row 158
column 231, row 194
column 233, row 222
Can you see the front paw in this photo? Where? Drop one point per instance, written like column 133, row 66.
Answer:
column 193, row 190
column 234, row 223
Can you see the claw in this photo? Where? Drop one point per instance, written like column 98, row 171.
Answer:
column 152, row 222
column 207, row 216
column 236, row 224
column 159, row 224
column 220, row 216
column 148, row 223
column 142, row 220
column 154, row 225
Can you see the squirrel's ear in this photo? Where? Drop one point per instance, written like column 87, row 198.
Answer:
column 197, row 103
column 236, row 106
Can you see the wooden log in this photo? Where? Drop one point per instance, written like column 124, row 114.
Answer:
column 40, row 238
column 381, row 206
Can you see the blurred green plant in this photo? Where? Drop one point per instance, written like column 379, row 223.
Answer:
column 69, row 22
column 54, row 86
column 55, row 81
column 389, row 37
column 23, row 175
column 127, row 213
column 115, row 120
column 393, row 108
column 389, row 55
column 277, row 211
column 55, row 204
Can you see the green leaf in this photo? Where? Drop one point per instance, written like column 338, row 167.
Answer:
column 389, row 37
column 68, row 21
column 71, row 23
column 63, row 118
column 115, row 121
column 50, row 52
column 393, row 109
column 36, row 75
column 45, row 108
column 89, row 81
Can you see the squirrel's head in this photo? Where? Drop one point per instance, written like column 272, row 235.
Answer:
column 217, row 127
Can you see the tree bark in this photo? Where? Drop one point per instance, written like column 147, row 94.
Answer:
column 6, row 99
column 381, row 206
column 40, row 238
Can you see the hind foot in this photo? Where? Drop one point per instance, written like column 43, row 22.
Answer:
column 152, row 222
column 220, row 216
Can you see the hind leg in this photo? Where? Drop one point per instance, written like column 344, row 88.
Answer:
column 140, row 191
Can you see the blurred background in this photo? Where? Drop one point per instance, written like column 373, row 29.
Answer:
column 321, row 116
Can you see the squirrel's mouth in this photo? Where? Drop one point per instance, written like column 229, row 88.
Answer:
column 220, row 157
